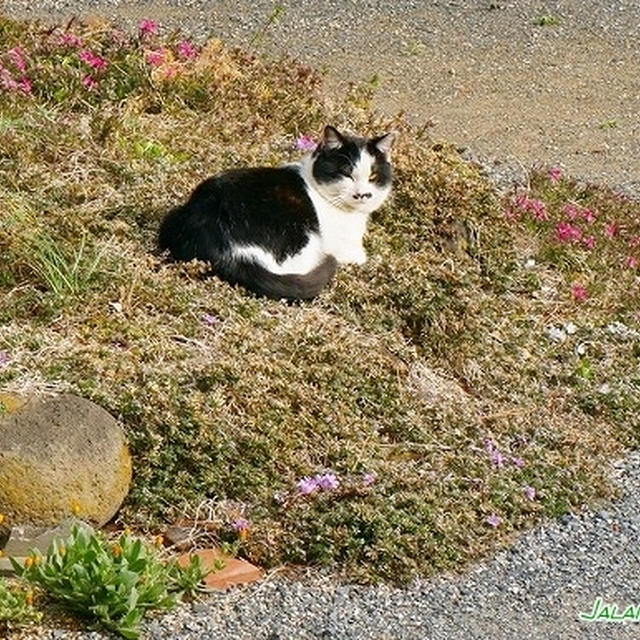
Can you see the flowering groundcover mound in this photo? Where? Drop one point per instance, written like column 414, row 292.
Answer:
column 479, row 374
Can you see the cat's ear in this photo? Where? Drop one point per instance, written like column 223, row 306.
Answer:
column 331, row 138
column 384, row 143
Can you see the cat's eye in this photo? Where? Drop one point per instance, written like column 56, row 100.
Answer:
column 345, row 172
column 373, row 177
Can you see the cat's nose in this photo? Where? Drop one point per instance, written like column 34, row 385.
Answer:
column 362, row 196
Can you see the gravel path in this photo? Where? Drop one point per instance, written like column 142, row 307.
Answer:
column 490, row 78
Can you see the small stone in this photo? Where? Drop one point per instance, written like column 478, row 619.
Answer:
column 179, row 537
column 233, row 572
column 200, row 608
column 26, row 538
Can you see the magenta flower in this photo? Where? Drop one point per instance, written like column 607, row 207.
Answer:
column 632, row 262
column 93, row 60
column 187, row 50
column 306, row 143
column 537, row 207
column 368, row 479
column 511, row 215
column 148, row 27
column 589, row 242
column 634, row 241
column 555, row 173
column 530, row 492
column 17, row 57
column 539, row 210
column 71, row 40
column 25, row 86
column 589, row 215
column 566, row 232
column 494, row 520
column 519, row 462
column 579, row 293
column 156, row 58
column 90, row 83
column 307, row 485
column 612, row 229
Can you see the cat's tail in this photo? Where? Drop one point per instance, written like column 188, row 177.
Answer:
column 290, row 286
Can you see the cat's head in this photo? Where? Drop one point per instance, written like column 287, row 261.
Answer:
column 352, row 173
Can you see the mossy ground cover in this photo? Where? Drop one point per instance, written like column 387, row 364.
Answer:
column 477, row 375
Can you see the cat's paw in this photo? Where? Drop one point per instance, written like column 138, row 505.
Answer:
column 354, row 257
column 360, row 257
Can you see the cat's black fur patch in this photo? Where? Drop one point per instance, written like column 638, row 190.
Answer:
column 267, row 207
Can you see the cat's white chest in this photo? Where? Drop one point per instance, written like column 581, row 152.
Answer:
column 341, row 233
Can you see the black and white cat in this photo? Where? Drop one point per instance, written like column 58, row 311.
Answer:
column 281, row 232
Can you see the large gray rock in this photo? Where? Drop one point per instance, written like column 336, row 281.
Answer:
column 60, row 456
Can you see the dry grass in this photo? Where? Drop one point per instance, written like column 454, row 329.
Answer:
column 431, row 367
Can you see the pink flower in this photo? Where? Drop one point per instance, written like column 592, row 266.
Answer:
column 4, row 358
column 93, row 60
column 25, row 86
column 535, row 206
column 307, row 485
column 8, row 81
column 571, row 211
column 323, row 481
column 496, row 457
column 589, row 215
column 187, row 50
column 306, row 143
column 241, row 524
column 90, row 83
column 156, row 58
column 611, row 229
column 579, row 293
column 530, row 492
column 589, row 242
column 555, row 173
column 511, row 215
column 519, row 462
column 148, row 27
column 632, row 262
column 634, row 241
column 368, row 479
column 566, row 232
column 71, row 39
column 17, row 57
column 327, row 481
column 539, row 209
column 170, row 71
column 494, row 520
column 210, row 319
